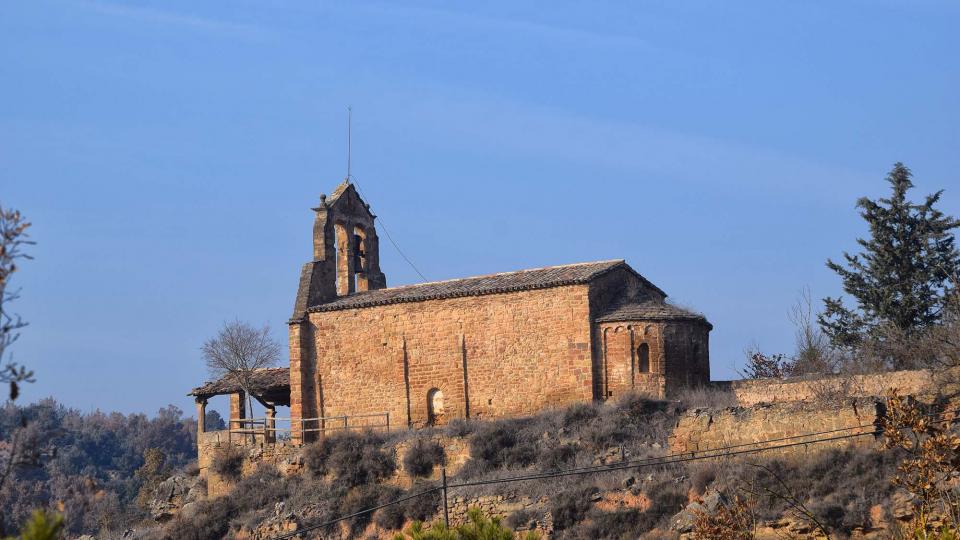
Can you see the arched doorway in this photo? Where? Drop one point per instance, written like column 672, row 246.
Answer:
column 434, row 407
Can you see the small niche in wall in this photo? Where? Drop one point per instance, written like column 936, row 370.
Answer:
column 435, row 409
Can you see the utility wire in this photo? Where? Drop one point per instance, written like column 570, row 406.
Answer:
column 638, row 464
column 383, row 226
column 571, row 472
column 627, row 465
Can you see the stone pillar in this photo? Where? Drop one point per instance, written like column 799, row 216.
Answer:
column 238, row 410
column 305, row 393
column 201, row 417
column 346, row 255
column 270, row 434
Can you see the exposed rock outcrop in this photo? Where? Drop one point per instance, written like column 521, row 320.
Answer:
column 176, row 494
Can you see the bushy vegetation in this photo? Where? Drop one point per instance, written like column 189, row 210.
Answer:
column 901, row 280
column 228, row 462
column 89, row 462
column 522, row 519
column 352, row 458
column 349, row 472
column 905, row 289
column 571, row 506
column 632, row 427
column 478, row 527
column 422, row 457
column 346, row 474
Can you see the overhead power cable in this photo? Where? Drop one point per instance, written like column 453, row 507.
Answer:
column 682, row 457
column 571, row 472
column 383, row 225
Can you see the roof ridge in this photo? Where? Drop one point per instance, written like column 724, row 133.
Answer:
column 649, row 309
column 501, row 282
column 498, row 274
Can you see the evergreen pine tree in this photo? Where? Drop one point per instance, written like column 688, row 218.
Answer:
column 902, row 276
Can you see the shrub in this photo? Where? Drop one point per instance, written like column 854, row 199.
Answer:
column 390, row 517
column 497, row 445
column 482, row 527
column 762, row 366
column 637, row 405
column 701, row 477
column 228, row 462
column 571, row 506
column 422, row 457
column 315, row 456
column 733, row 521
column 210, row 522
column 261, row 489
column 423, row 507
column 522, row 519
column 579, row 413
column 625, row 523
column 557, row 457
column 842, row 484
column 42, row 526
column 666, row 499
column 478, row 527
column 358, row 499
column 322, row 498
column 613, row 431
column 459, row 427
column 353, row 458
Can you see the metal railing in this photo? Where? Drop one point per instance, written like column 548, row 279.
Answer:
column 267, row 430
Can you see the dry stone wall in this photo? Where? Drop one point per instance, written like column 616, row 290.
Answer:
column 283, row 455
column 752, row 392
column 288, row 458
column 706, row 429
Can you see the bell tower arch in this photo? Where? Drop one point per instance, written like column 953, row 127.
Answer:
column 346, row 251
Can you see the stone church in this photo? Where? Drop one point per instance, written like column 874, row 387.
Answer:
column 479, row 347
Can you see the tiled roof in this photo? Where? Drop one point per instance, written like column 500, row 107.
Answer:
column 649, row 311
column 523, row 280
column 264, row 380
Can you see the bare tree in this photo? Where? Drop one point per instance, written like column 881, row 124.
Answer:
column 946, row 337
column 238, row 351
column 13, row 236
column 814, row 353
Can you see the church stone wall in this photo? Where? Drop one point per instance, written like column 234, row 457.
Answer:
column 613, row 371
column 687, row 357
column 489, row 356
column 677, row 356
column 621, row 363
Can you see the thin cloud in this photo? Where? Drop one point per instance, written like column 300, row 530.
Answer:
column 502, row 125
column 156, row 16
column 486, row 23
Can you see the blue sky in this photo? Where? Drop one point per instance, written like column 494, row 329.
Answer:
column 168, row 154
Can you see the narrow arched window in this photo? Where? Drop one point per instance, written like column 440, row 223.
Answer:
column 643, row 358
column 359, row 249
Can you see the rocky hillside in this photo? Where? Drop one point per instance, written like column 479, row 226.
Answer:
column 844, row 488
